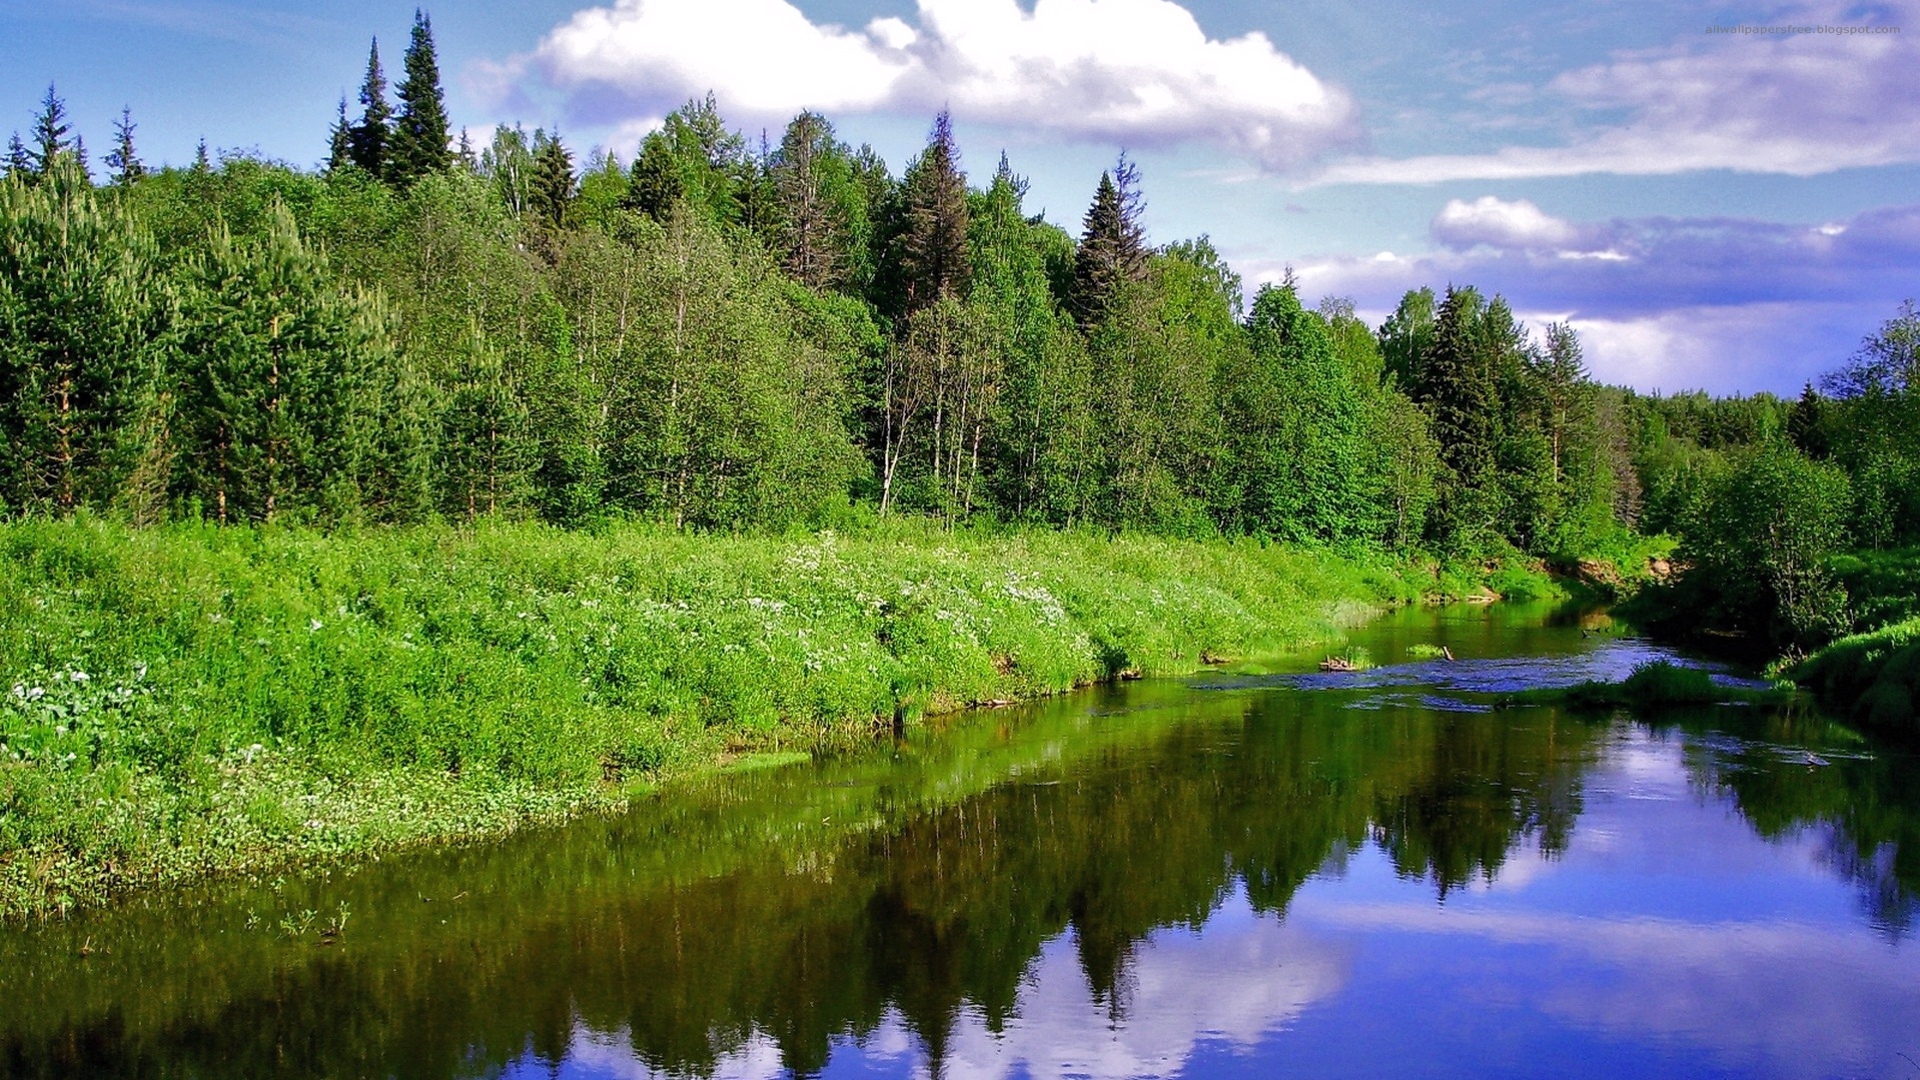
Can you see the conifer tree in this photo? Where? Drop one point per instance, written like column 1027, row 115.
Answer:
column 276, row 365
column 933, row 258
column 553, row 179
column 655, row 184
column 465, row 156
column 1458, row 386
column 123, row 159
column 420, row 133
column 84, row 319
column 1113, row 250
column 202, row 160
column 813, row 226
column 50, row 131
column 19, row 160
column 367, row 143
column 340, row 140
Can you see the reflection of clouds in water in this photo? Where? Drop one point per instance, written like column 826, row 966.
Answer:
column 1245, row 976
column 1805, row 998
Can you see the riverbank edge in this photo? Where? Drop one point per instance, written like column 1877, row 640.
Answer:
column 253, row 810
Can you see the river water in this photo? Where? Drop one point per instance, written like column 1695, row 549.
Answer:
column 1233, row 875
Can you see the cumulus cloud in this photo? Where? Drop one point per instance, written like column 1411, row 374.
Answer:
column 1796, row 105
column 1136, row 71
column 1499, row 224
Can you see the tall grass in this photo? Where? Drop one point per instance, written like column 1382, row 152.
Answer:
column 194, row 700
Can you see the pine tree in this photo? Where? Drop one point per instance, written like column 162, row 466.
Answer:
column 84, row 317
column 1807, row 425
column 1459, row 388
column 467, row 158
column 123, row 159
column 421, row 132
column 1113, row 250
column 655, row 183
column 933, row 258
column 553, row 179
column 202, row 160
column 340, row 140
column 50, row 130
column 367, row 143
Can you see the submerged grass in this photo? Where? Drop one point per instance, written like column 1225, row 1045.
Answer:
column 1654, row 685
column 191, row 701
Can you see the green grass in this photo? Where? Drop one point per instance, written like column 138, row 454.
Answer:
column 1872, row 677
column 192, row 701
column 1657, row 684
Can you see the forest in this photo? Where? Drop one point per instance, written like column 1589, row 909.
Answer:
column 429, row 341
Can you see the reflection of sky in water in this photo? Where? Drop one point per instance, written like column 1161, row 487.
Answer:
column 1667, row 939
column 1429, row 683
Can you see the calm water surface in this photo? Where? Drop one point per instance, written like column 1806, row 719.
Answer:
column 1303, row 875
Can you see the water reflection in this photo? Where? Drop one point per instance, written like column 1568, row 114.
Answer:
column 1274, row 878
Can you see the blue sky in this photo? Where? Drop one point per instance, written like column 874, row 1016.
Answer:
column 1727, row 211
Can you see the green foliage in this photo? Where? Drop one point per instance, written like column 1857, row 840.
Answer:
column 1874, row 677
column 1759, row 539
column 1658, row 684
column 421, row 143
column 368, row 140
column 86, row 324
column 506, row 671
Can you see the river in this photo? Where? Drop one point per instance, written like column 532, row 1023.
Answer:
column 1230, row 875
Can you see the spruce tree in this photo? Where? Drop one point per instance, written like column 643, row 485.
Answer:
column 123, row 159
column 19, row 160
column 202, row 160
column 656, row 183
column 367, row 143
column 812, row 232
column 420, row 133
column 1113, row 250
column 50, row 130
column 340, row 140
column 553, row 179
column 933, row 257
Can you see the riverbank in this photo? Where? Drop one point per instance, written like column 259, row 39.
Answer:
column 190, row 701
column 1873, row 676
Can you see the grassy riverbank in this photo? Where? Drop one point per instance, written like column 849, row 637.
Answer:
column 1873, row 676
column 191, row 701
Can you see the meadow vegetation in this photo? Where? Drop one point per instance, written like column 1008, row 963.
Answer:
column 188, row 699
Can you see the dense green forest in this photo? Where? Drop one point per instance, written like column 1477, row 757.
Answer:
column 724, row 336
column 222, row 385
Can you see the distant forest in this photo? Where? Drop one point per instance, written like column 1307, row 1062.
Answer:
column 733, row 334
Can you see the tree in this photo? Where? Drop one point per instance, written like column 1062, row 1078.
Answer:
column 932, row 249
column 553, row 181
column 421, row 134
column 812, row 180
column 1406, row 336
column 1807, row 425
column 340, row 140
column 85, row 323
column 50, row 131
column 367, row 143
column 123, row 159
column 1113, row 247
column 276, row 361
column 656, row 183
column 1456, row 383
column 19, row 160
column 488, row 449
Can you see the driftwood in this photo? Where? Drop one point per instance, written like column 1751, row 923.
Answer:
column 1338, row 663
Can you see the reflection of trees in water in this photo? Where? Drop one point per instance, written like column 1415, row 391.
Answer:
column 941, row 907
column 1864, row 802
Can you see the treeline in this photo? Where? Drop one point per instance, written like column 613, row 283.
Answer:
column 720, row 335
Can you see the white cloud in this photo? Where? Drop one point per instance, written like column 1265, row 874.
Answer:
column 1490, row 221
column 1796, row 105
column 1139, row 71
